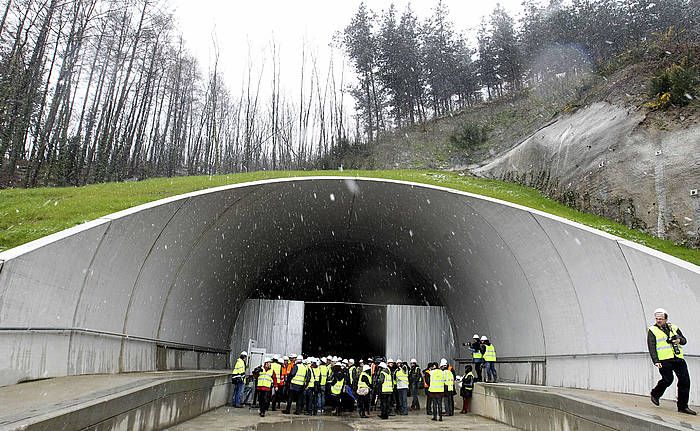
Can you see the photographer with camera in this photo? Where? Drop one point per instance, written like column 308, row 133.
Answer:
column 664, row 341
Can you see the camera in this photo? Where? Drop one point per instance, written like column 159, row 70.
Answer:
column 676, row 349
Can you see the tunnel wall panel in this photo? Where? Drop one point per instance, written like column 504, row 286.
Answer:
column 276, row 325
column 420, row 332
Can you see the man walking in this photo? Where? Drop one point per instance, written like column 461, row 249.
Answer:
column 267, row 379
column 664, row 341
column 237, row 379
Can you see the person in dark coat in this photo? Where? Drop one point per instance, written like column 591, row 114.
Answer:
column 467, row 388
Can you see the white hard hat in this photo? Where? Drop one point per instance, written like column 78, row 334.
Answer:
column 414, row 360
column 366, row 368
column 399, row 360
column 484, row 338
column 244, row 353
column 345, row 361
column 316, row 361
column 443, row 362
column 293, row 355
column 277, row 357
column 382, row 365
column 351, row 361
column 329, row 357
column 268, row 359
column 389, row 360
column 286, row 358
column 660, row 310
column 300, row 358
column 476, row 336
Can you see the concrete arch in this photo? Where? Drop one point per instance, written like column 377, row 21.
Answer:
column 563, row 301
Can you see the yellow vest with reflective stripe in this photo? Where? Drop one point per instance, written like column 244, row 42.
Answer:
column 324, row 374
column 337, row 387
column 361, row 384
column 401, row 377
column 437, row 380
column 239, row 368
column 490, row 354
column 265, row 378
column 314, row 377
column 300, row 376
column 664, row 350
column 477, row 355
column 465, row 379
column 449, row 380
column 350, row 372
column 388, row 383
column 277, row 369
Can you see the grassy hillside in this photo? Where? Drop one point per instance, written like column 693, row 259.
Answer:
column 28, row 214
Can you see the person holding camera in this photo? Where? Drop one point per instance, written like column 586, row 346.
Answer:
column 664, row 341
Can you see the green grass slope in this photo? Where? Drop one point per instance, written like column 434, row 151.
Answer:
column 29, row 214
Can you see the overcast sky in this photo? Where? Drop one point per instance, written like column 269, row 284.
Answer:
column 236, row 25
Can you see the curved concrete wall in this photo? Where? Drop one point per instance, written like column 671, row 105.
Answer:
column 543, row 288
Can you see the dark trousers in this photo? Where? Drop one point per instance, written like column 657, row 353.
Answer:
column 429, row 405
column 297, row 397
column 385, row 400
column 415, row 404
column 264, row 400
column 478, row 366
column 276, row 398
column 310, row 401
column 402, row 407
column 449, row 403
column 436, row 406
column 668, row 367
column 363, row 404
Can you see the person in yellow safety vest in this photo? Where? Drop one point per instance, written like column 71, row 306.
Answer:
column 477, row 356
column 297, row 380
column 402, row 387
column 277, row 394
column 664, row 341
column 364, row 383
column 352, row 373
column 393, row 401
column 267, row 379
column 313, row 379
column 238, row 379
column 337, row 384
column 385, row 383
column 436, row 390
column 467, row 388
column 490, row 359
column 323, row 376
column 449, row 387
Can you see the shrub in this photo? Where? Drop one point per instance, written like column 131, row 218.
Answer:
column 674, row 85
column 469, row 136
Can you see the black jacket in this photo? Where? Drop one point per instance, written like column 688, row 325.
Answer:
column 651, row 341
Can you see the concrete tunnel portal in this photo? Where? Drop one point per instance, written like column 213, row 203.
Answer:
column 559, row 300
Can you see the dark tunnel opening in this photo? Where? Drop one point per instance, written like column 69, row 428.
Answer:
column 345, row 272
column 346, row 330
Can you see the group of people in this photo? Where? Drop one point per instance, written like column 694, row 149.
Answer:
column 313, row 384
column 483, row 354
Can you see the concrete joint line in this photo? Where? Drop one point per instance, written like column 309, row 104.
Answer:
column 2, row 263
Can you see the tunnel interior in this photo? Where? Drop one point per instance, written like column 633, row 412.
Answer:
column 345, row 330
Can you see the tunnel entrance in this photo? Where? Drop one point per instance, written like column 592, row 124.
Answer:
column 348, row 330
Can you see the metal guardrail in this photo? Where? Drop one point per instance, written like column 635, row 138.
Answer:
column 540, row 358
column 157, row 341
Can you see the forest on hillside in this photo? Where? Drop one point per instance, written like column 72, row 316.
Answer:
column 106, row 90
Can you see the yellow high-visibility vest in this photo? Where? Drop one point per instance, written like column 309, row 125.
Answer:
column 664, row 350
column 350, row 372
column 465, row 379
column 239, row 369
column 437, row 380
column 300, row 376
column 324, row 374
column 314, row 377
column 265, row 378
column 337, row 387
column 449, row 380
column 477, row 354
column 361, row 384
column 388, row 383
column 277, row 368
column 402, row 377
column 490, row 355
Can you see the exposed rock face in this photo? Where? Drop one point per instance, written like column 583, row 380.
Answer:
column 612, row 165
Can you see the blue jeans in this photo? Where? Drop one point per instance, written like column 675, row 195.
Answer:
column 321, row 399
column 491, row 369
column 310, row 400
column 403, row 401
column 237, row 392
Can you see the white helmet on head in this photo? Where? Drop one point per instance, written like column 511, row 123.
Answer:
column 351, row 361
column 286, row 358
column 293, row 355
column 366, row 367
column 382, row 365
column 244, row 353
column 443, row 362
column 661, row 310
column 413, row 361
column 399, row 361
column 484, row 338
column 476, row 336
column 388, row 361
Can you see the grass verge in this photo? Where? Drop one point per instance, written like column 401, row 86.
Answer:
column 29, row 214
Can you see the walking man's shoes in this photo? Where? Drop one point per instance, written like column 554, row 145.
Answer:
column 687, row 411
column 654, row 400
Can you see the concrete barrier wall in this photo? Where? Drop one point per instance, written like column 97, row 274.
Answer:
column 180, row 270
